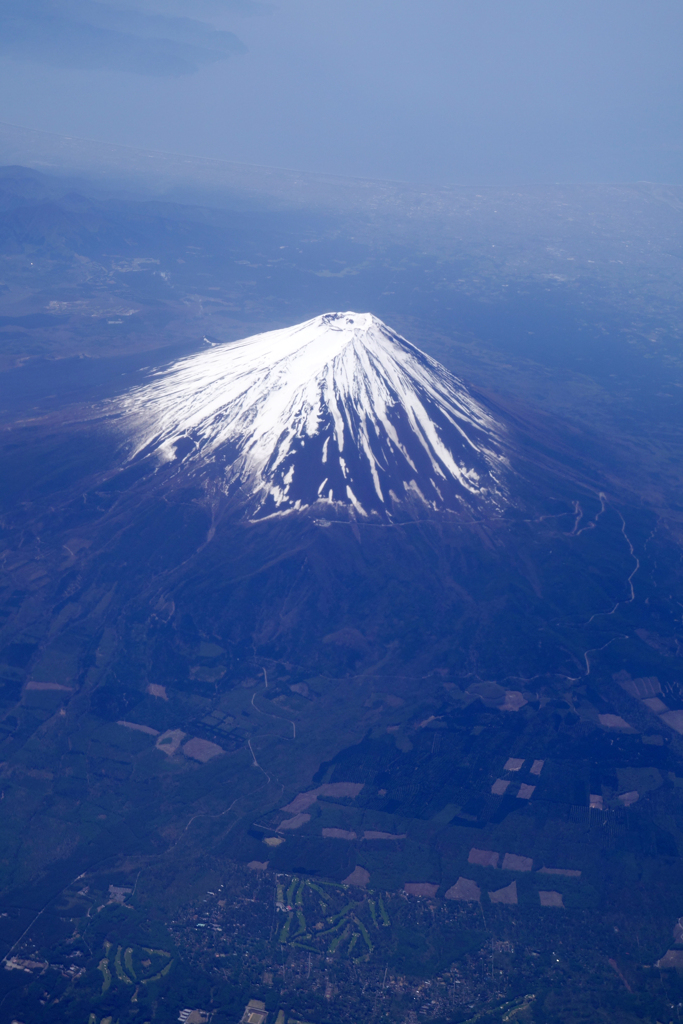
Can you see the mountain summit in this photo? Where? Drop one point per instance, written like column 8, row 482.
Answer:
column 339, row 415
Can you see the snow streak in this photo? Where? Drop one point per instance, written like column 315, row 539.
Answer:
column 338, row 412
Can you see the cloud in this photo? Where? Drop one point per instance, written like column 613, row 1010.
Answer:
column 90, row 35
column 193, row 8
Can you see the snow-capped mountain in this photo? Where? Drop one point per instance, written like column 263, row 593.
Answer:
column 339, row 415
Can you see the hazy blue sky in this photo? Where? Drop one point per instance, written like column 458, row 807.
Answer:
column 471, row 91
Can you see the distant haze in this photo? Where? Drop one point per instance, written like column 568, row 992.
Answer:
column 467, row 91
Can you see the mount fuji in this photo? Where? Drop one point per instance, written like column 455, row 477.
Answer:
column 338, row 415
